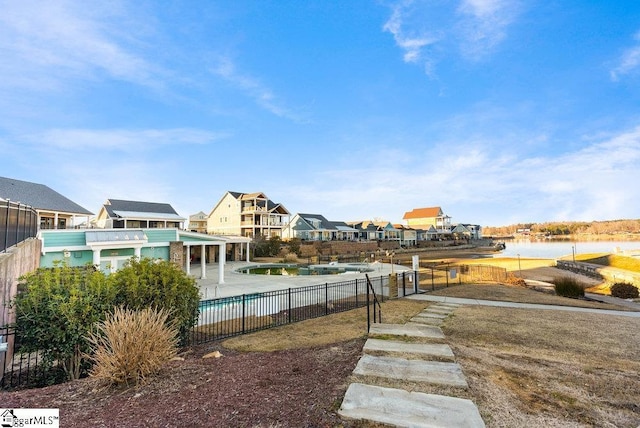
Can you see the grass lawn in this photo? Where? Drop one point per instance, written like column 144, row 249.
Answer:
column 524, row 367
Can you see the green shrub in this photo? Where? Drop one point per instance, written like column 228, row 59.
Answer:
column 568, row 287
column 55, row 309
column 157, row 284
column 132, row 345
column 624, row 290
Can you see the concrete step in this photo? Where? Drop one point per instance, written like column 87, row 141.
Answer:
column 410, row 330
column 427, row 314
column 433, row 372
column 431, row 350
column 408, row 409
column 437, row 310
column 436, row 322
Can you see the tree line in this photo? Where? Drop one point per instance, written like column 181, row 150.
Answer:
column 607, row 227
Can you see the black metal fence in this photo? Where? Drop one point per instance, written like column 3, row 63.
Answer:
column 17, row 223
column 24, row 369
column 231, row 316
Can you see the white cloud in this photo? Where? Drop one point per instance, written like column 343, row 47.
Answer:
column 483, row 24
column 119, row 139
column 259, row 92
column 628, row 62
column 477, row 26
column 411, row 41
column 45, row 44
column 477, row 185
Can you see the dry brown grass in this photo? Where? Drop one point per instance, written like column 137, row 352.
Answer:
column 132, row 345
column 325, row 330
column 509, row 293
column 556, row 368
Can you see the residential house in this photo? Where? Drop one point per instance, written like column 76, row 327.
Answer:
column 467, row 231
column 121, row 214
column 54, row 210
column 408, row 235
column 247, row 214
column 375, row 230
column 315, row 227
column 423, row 218
column 198, row 222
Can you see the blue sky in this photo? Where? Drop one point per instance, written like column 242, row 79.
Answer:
column 499, row 111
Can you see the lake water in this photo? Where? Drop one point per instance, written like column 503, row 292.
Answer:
column 556, row 249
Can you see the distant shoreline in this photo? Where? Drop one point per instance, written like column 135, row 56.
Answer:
column 568, row 238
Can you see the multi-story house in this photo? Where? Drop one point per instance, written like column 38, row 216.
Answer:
column 198, row 222
column 425, row 218
column 247, row 214
column 121, row 214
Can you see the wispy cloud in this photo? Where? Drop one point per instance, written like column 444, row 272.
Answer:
column 424, row 30
column 483, row 24
column 410, row 40
column 123, row 140
column 255, row 89
column 474, row 183
column 629, row 60
column 44, row 44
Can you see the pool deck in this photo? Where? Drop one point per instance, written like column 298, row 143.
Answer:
column 236, row 284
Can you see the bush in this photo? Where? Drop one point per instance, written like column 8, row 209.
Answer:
column 568, row 287
column 132, row 345
column 157, row 284
column 624, row 290
column 514, row 280
column 55, row 309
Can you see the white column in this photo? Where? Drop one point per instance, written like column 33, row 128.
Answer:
column 222, row 253
column 55, row 220
column 188, row 257
column 96, row 258
column 248, row 251
column 203, row 261
column 136, row 252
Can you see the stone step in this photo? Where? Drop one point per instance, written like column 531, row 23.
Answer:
column 437, row 310
column 410, row 330
column 433, row 372
column 427, row 314
column 431, row 350
column 436, row 322
column 408, row 409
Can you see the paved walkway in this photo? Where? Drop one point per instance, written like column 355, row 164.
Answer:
column 387, row 355
column 462, row 301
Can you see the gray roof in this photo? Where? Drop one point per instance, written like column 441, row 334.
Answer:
column 39, row 196
column 117, row 207
column 324, row 223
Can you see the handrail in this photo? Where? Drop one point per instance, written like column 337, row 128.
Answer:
column 376, row 303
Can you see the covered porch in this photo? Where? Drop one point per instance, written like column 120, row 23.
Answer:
column 200, row 251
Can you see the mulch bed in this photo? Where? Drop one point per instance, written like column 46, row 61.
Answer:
column 292, row 388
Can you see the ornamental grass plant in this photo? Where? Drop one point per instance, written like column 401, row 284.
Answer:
column 132, row 345
column 566, row 286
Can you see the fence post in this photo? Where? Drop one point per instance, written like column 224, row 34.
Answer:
column 289, row 307
column 18, row 224
column 368, row 315
column 416, row 278
column 357, row 292
column 404, row 284
column 244, row 296
column 433, row 284
column 326, row 298
column 6, row 235
column 446, row 275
